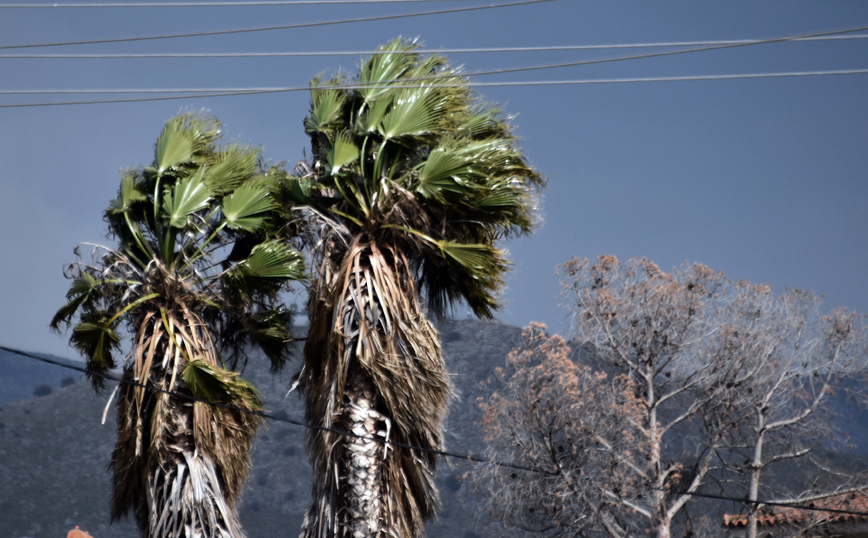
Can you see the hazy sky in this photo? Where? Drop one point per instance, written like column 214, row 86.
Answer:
column 762, row 178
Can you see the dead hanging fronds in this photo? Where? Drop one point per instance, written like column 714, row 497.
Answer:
column 370, row 338
column 177, row 453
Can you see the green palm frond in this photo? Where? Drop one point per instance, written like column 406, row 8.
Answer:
column 326, row 107
column 233, row 165
column 175, row 146
column 188, row 196
column 298, row 190
column 343, row 152
column 480, row 262
column 95, row 339
column 371, row 119
column 274, row 259
column 85, row 287
column 214, row 384
column 245, row 206
column 413, row 113
column 131, row 192
column 391, row 63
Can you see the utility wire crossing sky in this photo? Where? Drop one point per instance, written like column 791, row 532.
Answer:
column 736, row 139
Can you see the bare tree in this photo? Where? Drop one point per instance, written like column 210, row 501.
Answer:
column 696, row 380
column 574, row 432
column 793, row 359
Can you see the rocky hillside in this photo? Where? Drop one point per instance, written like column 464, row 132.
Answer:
column 54, row 449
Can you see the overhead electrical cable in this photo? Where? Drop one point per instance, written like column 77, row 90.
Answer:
column 636, row 56
column 228, row 92
column 278, row 27
column 241, row 3
column 478, row 50
column 466, row 456
column 189, row 397
column 656, row 54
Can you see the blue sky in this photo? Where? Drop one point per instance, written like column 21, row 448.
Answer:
column 762, row 178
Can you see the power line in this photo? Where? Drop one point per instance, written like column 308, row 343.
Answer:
column 468, row 456
column 806, row 507
column 280, row 27
column 229, row 92
column 665, row 53
column 215, row 4
column 599, row 60
column 478, row 50
column 351, row 86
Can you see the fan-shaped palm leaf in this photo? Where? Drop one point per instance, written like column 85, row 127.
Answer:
column 244, row 208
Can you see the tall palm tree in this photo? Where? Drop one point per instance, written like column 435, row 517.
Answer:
column 198, row 268
column 413, row 182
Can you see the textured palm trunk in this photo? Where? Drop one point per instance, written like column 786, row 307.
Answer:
column 185, row 497
column 362, row 484
column 372, row 367
column 163, row 463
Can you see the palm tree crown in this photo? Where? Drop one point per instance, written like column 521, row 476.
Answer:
column 199, row 266
column 413, row 182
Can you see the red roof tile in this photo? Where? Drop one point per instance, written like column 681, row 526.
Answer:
column 782, row 515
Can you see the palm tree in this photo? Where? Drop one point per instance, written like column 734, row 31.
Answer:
column 413, row 182
column 198, row 268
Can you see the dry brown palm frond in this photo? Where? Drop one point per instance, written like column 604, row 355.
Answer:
column 370, row 337
column 180, row 464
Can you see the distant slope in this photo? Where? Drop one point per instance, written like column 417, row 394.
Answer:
column 20, row 376
column 54, row 451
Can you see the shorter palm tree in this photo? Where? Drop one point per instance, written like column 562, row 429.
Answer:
column 199, row 267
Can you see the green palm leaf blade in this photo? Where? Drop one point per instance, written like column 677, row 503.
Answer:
column 478, row 260
column 214, row 384
column 271, row 260
column 413, row 113
column 233, row 165
column 175, row 146
column 298, row 189
column 183, row 138
column 439, row 170
column 343, row 152
column 81, row 290
column 372, row 119
column 130, row 193
column 390, row 63
column 241, row 207
column 478, row 121
column 326, row 107
column 188, row 196
column 95, row 340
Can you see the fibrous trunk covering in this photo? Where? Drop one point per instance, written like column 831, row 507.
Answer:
column 178, row 464
column 373, row 367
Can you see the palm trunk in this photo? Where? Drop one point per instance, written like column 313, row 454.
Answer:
column 372, row 367
column 185, row 493
column 362, row 484
column 166, row 465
